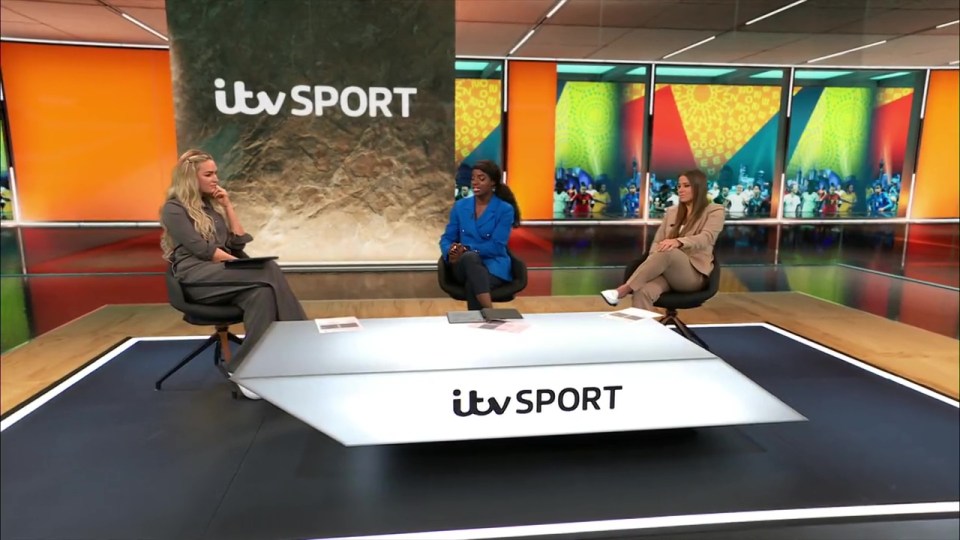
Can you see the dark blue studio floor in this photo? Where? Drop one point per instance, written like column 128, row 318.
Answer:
column 189, row 462
column 907, row 273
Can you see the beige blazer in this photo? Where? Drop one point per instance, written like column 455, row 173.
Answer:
column 697, row 238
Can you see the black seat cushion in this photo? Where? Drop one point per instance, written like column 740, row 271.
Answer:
column 504, row 293
column 200, row 314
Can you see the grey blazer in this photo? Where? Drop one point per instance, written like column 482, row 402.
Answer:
column 193, row 250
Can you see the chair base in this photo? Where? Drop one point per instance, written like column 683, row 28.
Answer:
column 221, row 354
column 682, row 329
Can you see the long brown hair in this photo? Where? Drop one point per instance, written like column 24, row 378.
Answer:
column 698, row 181
column 501, row 189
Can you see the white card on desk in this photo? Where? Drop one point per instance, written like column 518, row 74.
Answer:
column 632, row 314
column 338, row 324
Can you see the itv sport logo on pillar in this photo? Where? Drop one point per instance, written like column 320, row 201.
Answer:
column 353, row 101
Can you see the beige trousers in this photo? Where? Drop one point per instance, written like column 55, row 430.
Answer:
column 663, row 271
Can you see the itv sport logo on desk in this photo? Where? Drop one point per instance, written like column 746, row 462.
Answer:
column 535, row 401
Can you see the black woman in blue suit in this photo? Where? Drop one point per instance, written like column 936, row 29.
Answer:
column 475, row 240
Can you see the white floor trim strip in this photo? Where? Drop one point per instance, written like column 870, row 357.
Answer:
column 42, row 399
column 661, row 522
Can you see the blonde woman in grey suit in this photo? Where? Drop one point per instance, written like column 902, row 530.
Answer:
column 681, row 256
column 201, row 231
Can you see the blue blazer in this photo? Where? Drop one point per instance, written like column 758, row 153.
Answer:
column 487, row 236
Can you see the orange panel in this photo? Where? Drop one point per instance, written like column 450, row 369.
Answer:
column 92, row 130
column 531, row 125
column 937, row 193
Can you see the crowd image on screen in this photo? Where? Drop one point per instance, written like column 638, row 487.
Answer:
column 822, row 193
column 6, row 196
column 742, row 195
column 578, row 194
column 462, row 189
column 745, row 194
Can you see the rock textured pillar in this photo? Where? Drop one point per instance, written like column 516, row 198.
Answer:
column 331, row 121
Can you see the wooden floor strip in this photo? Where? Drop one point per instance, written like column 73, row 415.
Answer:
column 918, row 355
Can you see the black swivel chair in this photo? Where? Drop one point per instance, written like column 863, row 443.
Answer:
column 504, row 293
column 220, row 317
column 674, row 301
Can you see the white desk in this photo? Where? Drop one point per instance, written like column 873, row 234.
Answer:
column 418, row 379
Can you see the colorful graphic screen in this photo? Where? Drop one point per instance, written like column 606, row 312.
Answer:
column 6, row 189
column 14, row 316
column 599, row 149
column 937, row 193
column 477, row 126
column 727, row 131
column 846, row 152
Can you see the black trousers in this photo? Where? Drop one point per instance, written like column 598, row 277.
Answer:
column 470, row 272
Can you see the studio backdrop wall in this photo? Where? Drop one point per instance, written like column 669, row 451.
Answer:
column 331, row 122
column 91, row 130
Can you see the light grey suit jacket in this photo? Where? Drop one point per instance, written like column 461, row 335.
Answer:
column 697, row 238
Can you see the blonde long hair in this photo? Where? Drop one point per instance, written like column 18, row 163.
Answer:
column 185, row 189
column 698, row 181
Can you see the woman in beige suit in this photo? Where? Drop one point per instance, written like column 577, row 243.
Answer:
column 681, row 256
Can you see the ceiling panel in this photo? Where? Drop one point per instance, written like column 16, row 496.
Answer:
column 150, row 4
column 908, row 51
column 488, row 39
column 83, row 21
column 623, row 13
column 9, row 16
column 505, row 11
column 915, row 4
column 694, row 16
column 813, row 18
column 32, row 30
column 952, row 30
column 733, row 46
column 87, row 2
column 576, row 35
column 682, row 14
column 556, row 51
column 61, row 15
column 896, row 21
column 648, row 44
column 154, row 18
column 620, row 13
column 748, row 10
column 628, row 30
column 798, row 52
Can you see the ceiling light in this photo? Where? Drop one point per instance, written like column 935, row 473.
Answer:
column 132, row 19
column 946, row 24
column 818, row 74
column 522, row 41
column 556, row 8
column 860, row 48
column 669, row 71
column 955, row 62
column 688, row 47
column 583, row 69
column 83, row 43
column 889, row 75
column 145, row 27
column 774, row 12
column 466, row 65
